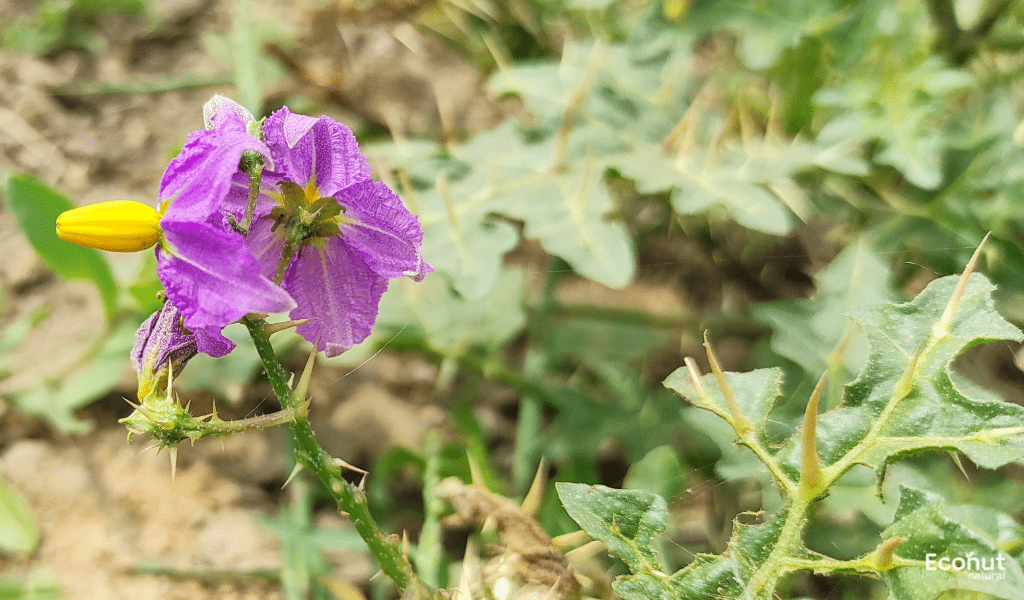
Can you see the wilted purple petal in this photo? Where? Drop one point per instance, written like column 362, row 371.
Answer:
column 198, row 178
column 162, row 338
column 220, row 107
column 338, row 291
column 302, row 146
column 212, row 342
column 157, row 334
column 385, row 233
column 213, row 279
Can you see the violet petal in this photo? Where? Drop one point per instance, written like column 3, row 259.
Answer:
column 336, row 289
column 385, row 233
column 302, row 147
column 198, row 178
column 213, row 279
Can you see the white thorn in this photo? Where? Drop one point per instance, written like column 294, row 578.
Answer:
column 295, row 471
column 174, row 461
column 340, row 463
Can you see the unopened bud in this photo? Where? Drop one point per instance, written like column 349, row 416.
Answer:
column 163, row 344
column 116, row 226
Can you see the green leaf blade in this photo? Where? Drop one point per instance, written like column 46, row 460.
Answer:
column 19, row 534
column 809, row 331
column 470, row 251
column 933, row 529
column 37, row 207
column 625, row 520
column 935, row 414
column 755, row 392
column 568, row 217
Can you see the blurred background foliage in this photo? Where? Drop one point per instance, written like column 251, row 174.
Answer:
column 643, row 171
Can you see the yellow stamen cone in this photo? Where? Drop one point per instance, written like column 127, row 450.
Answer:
column 117, row 226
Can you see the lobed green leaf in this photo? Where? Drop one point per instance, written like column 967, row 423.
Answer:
column 816, row 333
column 453, row 324
column 935, row 414
column 932, row 529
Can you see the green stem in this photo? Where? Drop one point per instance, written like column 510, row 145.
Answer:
column 244, row 46
column 863, row 564
column 351, row 499
column 252, row 166
column 296, row 563
column 207, row 575
column 691, row 322
column 287, row 253
column 489, row 367
column 531, row 410
column 531, row 413
column 142, row 87
column 428, row 550
column 745, row 436
column 782, row 558
column 751, row 441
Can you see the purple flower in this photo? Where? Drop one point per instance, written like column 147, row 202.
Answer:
column 209, row 274
column 357, row 233
column 327, row 234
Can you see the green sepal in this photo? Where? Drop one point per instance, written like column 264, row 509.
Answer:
column 326, row 208
column 323, row 229
column 162, row 416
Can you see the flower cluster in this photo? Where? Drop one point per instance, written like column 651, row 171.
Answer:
column 317, row 237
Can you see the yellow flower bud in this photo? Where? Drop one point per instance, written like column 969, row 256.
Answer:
column 117, row 226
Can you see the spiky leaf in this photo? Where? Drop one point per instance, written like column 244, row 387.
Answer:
column 625, row 520
column 933, row 529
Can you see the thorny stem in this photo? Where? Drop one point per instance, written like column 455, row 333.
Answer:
column 351, row 499
column 879, row 559
column 778, row 562
column 782, row 559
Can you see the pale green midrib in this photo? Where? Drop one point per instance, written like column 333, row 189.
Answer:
column 777, row 562
column 846, row 462
column 750, row 440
